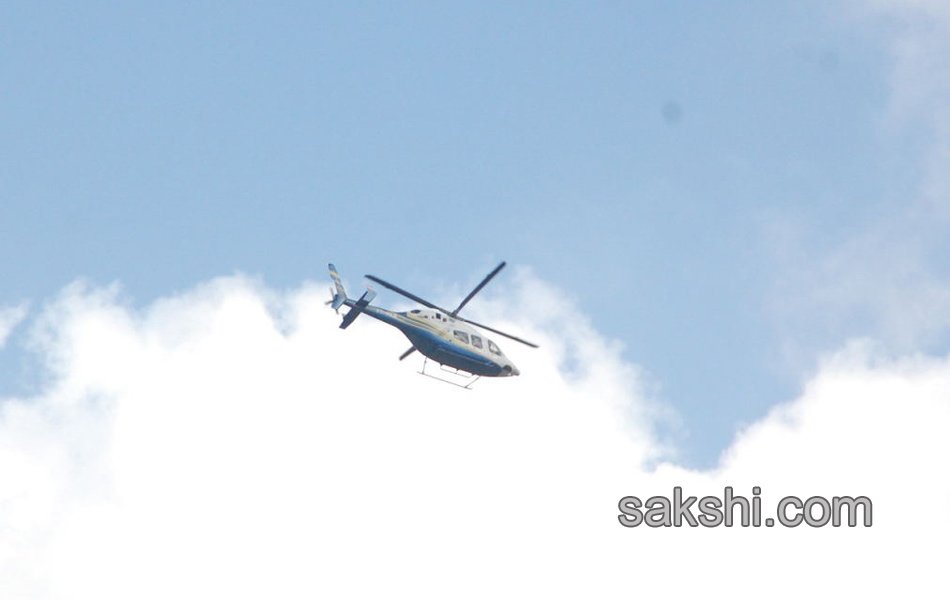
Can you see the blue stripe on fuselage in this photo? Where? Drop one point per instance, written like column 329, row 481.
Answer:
column 436, row 347
column 447, row 353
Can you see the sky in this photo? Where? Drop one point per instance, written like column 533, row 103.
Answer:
column 677, row 170
column 725, row 225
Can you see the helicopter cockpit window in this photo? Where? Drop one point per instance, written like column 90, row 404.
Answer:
column 494, row 349
column 461, row 335
column 476, row 341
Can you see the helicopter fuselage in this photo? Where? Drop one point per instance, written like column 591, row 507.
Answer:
column 448, row 341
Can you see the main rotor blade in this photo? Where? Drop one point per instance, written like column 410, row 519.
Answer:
column 423, row 302
column 409, row 295
column 493, row 330
column 478, row 288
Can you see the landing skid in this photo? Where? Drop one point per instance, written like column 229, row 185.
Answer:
column 469, row 378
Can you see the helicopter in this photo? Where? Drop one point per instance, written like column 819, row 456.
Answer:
column 438, row 334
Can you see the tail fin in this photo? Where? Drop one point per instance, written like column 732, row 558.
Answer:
column 339, row 299
column 340, row 296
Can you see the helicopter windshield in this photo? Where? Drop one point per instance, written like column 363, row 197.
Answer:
column 493, row 348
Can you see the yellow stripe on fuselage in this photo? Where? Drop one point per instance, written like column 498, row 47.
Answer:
column 446, row 333
column 425, row 324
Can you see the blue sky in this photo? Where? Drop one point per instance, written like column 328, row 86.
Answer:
column 682, row 171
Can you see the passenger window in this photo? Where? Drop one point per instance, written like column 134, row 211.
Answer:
column 461, row 335
column 494, row 349
column 476, row 341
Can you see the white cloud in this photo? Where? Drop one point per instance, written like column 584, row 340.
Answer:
column 10, row 317
column 232, row 441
